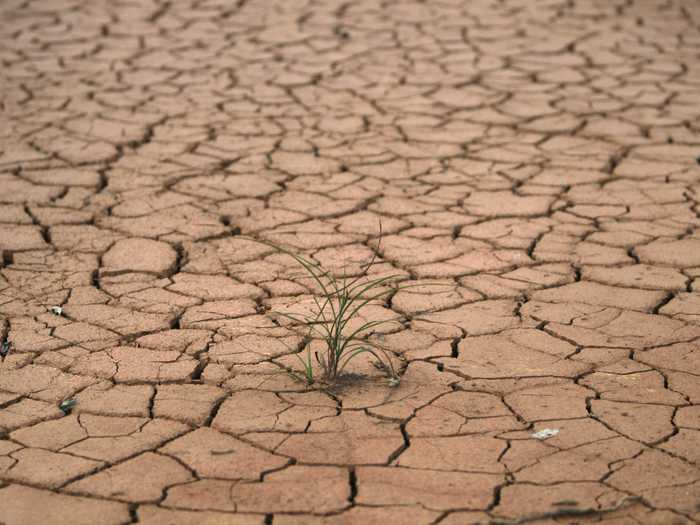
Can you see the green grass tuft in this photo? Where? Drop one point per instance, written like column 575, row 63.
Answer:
column 338, row 303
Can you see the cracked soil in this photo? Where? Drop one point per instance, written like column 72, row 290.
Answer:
column 533, row 166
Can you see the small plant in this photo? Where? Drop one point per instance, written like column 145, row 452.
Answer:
column 5, row 349
column 67, row 405
column 339, row 303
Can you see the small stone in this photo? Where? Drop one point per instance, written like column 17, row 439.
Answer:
column 546, row 433
column 56, row 310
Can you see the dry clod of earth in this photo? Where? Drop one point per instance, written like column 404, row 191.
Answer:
column 535, row 303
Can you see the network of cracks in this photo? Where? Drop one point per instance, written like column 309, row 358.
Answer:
column 532, row 165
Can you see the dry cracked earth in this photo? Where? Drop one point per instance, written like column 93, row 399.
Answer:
column 533, row 167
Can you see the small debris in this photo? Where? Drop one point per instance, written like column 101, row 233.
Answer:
column 56, row 310
column 5, row 349
column 394, row 381
column 222, row 452
column 67, row 405
column 546, row 433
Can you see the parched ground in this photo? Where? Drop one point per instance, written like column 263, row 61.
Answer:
column 533, row 167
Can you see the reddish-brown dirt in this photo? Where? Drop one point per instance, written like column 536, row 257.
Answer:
column 533, row 166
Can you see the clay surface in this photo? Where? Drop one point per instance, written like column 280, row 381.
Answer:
column 534, row 168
